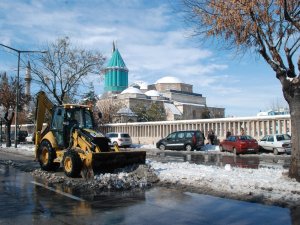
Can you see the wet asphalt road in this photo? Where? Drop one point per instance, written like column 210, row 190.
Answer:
column 24, row 200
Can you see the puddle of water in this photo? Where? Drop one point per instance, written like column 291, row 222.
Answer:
column 245, row 161
column 22, row 202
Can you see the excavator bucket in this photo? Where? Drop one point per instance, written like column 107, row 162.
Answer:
column 108, row 161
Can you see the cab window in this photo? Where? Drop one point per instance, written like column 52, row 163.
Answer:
column 58, row 118
column 88, row 119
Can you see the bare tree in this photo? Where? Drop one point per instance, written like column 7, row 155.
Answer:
column 276, row 105
column 108, row 108
column 267, row 27
column 63, row 68
column 8, row 86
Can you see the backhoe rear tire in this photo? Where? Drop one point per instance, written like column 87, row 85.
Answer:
column 72, row 163
column 46, row 156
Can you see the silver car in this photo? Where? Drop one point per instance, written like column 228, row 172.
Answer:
column 277, row 143
column 120, row 139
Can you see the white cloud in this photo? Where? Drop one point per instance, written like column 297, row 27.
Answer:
column 150, row 38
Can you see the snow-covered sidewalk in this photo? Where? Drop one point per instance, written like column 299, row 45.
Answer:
column 264, row 184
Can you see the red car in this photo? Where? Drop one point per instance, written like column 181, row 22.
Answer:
column 239, row 144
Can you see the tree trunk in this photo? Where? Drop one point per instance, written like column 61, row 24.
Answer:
column 8, row 138
column 8, row 122
column 294, row 104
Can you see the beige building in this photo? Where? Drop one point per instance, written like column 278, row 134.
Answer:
column 175, row 96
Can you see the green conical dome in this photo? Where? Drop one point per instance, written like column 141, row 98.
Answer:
column 116, row 73
column 116, row 61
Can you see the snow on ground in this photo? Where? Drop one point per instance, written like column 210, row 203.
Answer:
column 143, row 146
column 272, row 185
column 21, row 149
column 269, row 184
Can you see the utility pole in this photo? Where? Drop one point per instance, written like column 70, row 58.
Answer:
column 17, row 91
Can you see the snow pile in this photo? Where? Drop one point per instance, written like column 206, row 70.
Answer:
column 123, row 179
column 264, row 184
column 141, row 177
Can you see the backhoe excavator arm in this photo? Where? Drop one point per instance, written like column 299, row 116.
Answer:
column 43, row 104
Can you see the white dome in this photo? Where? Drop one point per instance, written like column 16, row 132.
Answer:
column 132, row 90
column 141, row 84
column 152, row 93
column 125, row 110
column 168, row 80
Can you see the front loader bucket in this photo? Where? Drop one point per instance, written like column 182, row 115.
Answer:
column 108, row 161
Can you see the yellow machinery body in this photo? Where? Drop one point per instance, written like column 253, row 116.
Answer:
column 70, row 140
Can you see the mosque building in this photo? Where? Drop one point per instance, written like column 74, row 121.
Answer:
column 175, row 96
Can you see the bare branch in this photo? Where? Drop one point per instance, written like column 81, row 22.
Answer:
column 288, row 17
column 63, row 67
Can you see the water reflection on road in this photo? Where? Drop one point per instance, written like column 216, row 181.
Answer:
column 22, row 202
column 218, row 159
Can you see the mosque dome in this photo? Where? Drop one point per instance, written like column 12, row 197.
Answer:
column 142, row 84
column 132, row 90
column 116, row 61
column 126, row 111
column 168, row 80
column 152, row 93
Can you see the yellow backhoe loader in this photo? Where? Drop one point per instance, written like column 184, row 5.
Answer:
column 71, row 141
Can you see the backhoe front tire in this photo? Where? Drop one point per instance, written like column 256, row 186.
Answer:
column 72, row 163
column 46, row 156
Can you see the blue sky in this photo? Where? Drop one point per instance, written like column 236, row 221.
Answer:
column 153, row 41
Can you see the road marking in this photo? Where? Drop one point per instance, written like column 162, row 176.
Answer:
column 57, row 191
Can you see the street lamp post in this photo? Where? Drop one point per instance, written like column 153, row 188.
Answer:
column 17, row 91
column 0, row 132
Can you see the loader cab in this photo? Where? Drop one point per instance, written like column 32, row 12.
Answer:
column 65, row 117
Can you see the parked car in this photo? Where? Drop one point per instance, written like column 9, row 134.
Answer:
column 238, row 144
column 21, row 135
column 182, row 140
column 120, row 139
column 278, row 143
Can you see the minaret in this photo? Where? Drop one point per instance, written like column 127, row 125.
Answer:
column 116, row 73
column 28, row 79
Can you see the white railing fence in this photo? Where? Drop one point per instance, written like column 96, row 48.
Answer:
column 151, row 132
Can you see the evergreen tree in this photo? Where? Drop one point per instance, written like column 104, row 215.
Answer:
column 90, row 97
column 154, row 112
